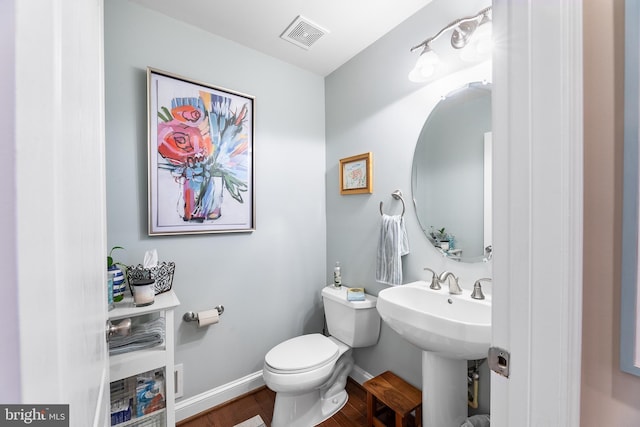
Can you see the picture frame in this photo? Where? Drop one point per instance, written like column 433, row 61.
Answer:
column 356, row 174
column 200, row 157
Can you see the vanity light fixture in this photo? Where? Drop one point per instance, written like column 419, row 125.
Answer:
column 425, row 66
column 471, row 34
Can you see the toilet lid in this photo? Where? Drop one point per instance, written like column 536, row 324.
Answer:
column 302, row 353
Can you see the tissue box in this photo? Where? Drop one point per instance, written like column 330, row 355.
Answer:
column 355, row 294
column 162, row 274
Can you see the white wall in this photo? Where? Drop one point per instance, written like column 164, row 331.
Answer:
column 268, row 280
column 372, row 106
column 9, row 356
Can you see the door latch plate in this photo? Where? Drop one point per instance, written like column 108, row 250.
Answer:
column 499, row 361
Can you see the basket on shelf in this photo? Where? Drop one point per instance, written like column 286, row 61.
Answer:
column 162, row 274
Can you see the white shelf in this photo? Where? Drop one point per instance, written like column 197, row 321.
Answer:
column 126, row 308
column 129, row 364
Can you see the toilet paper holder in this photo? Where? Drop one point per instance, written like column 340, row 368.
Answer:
column 191, row 316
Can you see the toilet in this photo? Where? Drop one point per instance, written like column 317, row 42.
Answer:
column 309, row 372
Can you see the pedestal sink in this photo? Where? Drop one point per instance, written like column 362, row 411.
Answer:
column 450, row 329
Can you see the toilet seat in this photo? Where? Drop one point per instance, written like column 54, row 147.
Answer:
column 302, row 354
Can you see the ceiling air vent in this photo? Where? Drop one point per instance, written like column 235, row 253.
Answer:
column 303, row 33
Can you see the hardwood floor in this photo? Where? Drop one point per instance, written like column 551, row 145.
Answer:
column 260, row 402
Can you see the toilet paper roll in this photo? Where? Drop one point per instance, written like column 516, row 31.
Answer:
column 209, row 317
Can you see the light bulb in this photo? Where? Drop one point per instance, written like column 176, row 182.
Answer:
column 425, row 66
column 481, row 44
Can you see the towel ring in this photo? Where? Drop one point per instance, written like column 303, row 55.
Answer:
column 398, row 196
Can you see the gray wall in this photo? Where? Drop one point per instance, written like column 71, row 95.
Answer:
column 268, row 280
column 372, row 106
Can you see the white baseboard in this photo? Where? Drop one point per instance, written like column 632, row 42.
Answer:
column 359, row 375
column 201, row 402
column 204, row 401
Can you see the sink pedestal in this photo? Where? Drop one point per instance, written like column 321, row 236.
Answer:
column 444, row 390
column 441, row 324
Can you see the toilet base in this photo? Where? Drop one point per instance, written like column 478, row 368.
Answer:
column 305, row 410
column 313, row 407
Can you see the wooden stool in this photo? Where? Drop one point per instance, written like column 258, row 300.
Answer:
column 394, row 395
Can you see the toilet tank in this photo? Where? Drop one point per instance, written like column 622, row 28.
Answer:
column 355, row 323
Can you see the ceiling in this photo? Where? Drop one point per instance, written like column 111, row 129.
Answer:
column 351, row 25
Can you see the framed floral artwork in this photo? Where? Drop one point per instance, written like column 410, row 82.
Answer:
column 356, row 174
column 200, row 149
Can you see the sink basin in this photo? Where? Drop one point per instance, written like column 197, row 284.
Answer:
column 452, row 326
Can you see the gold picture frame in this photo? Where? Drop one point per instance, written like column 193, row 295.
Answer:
column 356, row 174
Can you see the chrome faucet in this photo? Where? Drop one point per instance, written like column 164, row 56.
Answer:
column 435, row 283
column 477, row 289
column 454, row 287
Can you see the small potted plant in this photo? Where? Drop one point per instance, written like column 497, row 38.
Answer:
column 116, row 274
column 441, row 238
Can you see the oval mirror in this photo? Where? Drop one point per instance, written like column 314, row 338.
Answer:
column 451, row 175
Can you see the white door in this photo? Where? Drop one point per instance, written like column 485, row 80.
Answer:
column 60, row 206
column 537, row 140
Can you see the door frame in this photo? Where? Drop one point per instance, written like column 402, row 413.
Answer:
column 538, row 203
column 538, row 289
column 61, row 204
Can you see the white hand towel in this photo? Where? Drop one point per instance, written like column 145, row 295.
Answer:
column 392, row 245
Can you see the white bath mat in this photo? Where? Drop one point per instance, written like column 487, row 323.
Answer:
column 252, row 422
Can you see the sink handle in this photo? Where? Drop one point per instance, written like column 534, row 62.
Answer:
column 435, row 283
column 477, row 289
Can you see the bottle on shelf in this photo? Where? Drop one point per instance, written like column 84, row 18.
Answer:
column 337, row 276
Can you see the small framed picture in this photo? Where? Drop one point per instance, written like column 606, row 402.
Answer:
column 356, row 174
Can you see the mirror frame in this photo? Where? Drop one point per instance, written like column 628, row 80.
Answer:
column 630, row 286
column 487, row 152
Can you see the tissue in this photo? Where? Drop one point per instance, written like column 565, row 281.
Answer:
column 150, row 259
